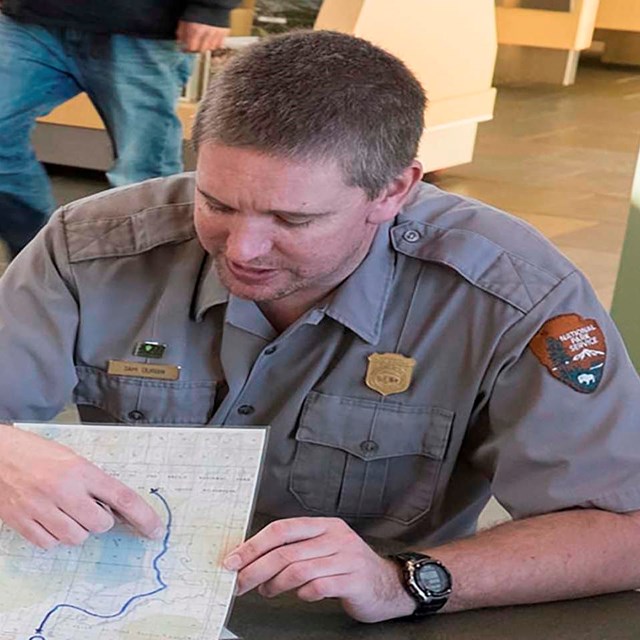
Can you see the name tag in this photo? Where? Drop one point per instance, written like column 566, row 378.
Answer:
column 141, row 370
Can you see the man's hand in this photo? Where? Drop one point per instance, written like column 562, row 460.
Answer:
column 51, row 495
column 321, row 558
column 198, row 38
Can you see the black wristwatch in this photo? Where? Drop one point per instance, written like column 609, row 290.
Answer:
column 426, row 580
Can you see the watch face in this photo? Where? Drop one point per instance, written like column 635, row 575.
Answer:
column 432, row 578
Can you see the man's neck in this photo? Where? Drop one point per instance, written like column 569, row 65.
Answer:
column 283, row 313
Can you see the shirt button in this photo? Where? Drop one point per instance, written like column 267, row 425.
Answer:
column 369, row 446
column 270, row 350
column 245, row 409
column 412, row 235
column 135, row 415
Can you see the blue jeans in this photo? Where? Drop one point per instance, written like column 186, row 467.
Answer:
column 134, row 84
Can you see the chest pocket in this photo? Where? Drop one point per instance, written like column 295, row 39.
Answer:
column 143, row 401
column 360, row 458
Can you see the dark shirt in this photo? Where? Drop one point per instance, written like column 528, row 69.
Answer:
column 143, row 18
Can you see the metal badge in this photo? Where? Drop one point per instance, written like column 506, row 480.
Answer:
column 149, row 350
column 389, row 373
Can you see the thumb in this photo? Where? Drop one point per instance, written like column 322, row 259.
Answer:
column 181, row 31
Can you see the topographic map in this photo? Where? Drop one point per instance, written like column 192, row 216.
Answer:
column 119, row 586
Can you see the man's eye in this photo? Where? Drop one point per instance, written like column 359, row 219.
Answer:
column 296, row 222
column 216, row 208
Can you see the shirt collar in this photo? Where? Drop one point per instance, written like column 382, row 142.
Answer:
column 209, row 291
column 358, row 303
column 246, row 315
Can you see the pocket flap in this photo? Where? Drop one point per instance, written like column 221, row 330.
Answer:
column 372, row 430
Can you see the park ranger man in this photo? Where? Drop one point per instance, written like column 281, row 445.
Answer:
column 413, row 351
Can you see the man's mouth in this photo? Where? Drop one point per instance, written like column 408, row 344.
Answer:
column 247, row 274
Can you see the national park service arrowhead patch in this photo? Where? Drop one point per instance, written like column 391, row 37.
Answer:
column 573, row 349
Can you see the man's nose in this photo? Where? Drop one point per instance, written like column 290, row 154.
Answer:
column 248, row 239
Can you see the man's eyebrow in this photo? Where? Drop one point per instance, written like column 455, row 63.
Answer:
column 298, row 214
column 275, row 212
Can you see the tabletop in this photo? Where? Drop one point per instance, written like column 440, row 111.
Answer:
column 611, row 617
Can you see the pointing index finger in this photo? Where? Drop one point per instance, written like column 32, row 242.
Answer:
column 128, row 504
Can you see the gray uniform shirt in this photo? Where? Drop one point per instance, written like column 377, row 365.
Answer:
column 454, row 284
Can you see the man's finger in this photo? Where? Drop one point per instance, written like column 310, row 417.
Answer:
column 180, row 32
column 274, row 562
column 127, row 503
column 327, row 587
column 300, row 573
column 216, row 39
column 275, row 535
column 200, row 41
column 185, row 36
column 89, row 513
column 60, row 525
column 193, row 38
column 209, row 43
column 192, row 45
column 35, row 533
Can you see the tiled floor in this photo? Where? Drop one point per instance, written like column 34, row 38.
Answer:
column 560, row 158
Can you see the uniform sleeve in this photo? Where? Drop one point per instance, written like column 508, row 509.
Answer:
column 38, row 326
column 561, row 426
column 213, row 12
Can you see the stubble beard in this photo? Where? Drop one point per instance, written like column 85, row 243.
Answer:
column 295, row 282
column 296, row 279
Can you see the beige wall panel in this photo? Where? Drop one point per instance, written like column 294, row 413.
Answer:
column 449, row 44
column 550, row 29
column 620, row 15
column 447, row 146
column 477, row 107
column 340, row 15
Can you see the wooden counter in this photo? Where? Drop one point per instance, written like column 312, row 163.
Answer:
column 542, row 44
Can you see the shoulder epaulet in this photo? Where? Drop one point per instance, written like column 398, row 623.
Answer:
column 492, row 250
column 130, row 220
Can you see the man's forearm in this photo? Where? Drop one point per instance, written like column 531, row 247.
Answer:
column 556, row 556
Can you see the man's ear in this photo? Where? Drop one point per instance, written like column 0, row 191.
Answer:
column 395, row 194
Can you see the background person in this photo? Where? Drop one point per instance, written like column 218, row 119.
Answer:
column 132, row 60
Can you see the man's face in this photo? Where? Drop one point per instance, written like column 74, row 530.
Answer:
column 277, row 227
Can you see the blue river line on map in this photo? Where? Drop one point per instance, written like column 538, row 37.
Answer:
column 163, row 585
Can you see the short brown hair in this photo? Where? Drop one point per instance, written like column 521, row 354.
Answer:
column 318, row 94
